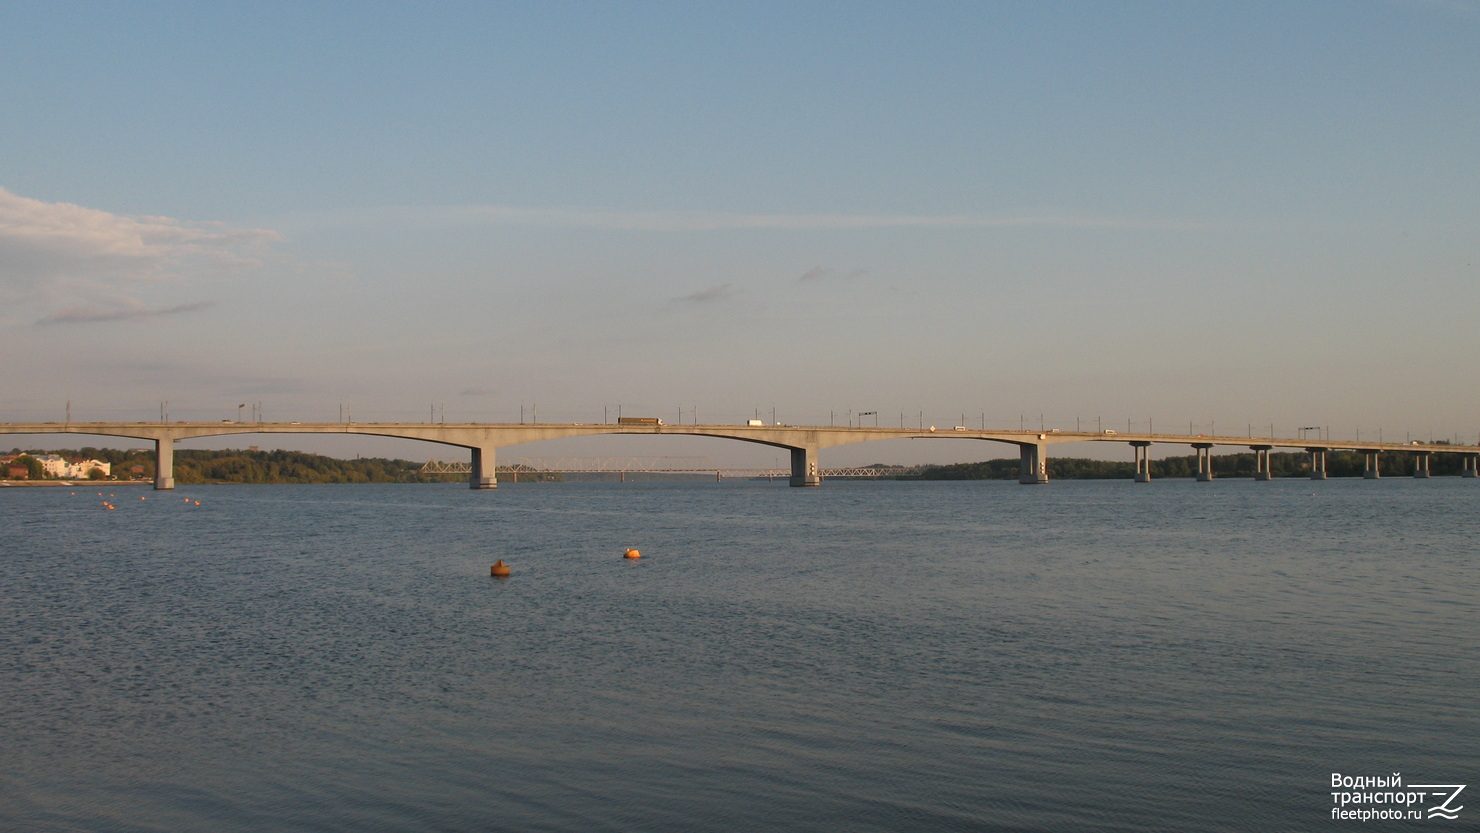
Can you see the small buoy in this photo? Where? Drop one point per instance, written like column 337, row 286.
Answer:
column 499, row 569
column 197, row 503
column 632, row 553
column 143, row 498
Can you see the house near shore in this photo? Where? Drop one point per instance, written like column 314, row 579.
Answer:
column 54, row 465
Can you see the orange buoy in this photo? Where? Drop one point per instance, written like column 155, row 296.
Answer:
column 197, row 503
column 632, row 553
column 499, row 569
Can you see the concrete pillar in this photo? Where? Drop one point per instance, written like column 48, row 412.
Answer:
column 1204, row 462
column 1372, row 470
column 1317, row 463
column 1261, row 461
column 1033, row 468
column 1140, row 448
column 805, row 470
column 1469, row 465
column 483, row 476
column 164, row 464
column 1421, row 463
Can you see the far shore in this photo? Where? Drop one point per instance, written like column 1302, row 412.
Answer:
column 76, row 483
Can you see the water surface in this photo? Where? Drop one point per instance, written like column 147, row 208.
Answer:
column 869, row 657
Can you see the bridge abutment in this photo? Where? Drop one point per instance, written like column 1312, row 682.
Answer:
column 1261, row 461
column 1469, row 465
column 1141, row 450
column 1204, row 461
column 1371, row 469
column 804, row 468
column 1317, row 463
column 483, row 475
column 1421, row 463
column 1033, row 467
column 164, row 463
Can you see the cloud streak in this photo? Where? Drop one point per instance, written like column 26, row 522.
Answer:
column 121, row 311
column 706, row 296
column 817, row 273
column 691, row 221
column 78, row 264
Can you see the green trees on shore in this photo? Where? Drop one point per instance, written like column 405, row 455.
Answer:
column 199, row 466
column 1281, row 464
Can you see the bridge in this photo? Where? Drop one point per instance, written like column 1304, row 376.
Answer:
column 803, row 443
column 623, row 466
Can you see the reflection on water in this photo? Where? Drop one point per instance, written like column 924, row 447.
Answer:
column 881, row 656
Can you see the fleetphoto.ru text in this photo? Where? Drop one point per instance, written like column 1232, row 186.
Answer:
column 1385, row 798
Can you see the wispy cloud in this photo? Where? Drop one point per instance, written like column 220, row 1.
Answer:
column 704, row 296
column 118, row 312
column 77, row 264
column 817, row 273
column 687, row 221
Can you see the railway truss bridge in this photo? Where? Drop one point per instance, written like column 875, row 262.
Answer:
column 512, row 468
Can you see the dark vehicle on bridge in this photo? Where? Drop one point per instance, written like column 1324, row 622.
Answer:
column 639, row 421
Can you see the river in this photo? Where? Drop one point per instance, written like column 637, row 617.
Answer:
column 1171, row 656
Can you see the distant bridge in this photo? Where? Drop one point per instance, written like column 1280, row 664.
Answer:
column 623, row 466
column 803, row 443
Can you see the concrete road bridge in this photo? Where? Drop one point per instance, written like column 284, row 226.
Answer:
column 804, row 443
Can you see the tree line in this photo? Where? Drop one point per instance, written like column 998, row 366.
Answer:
column 1281, row 464
column 202, row 466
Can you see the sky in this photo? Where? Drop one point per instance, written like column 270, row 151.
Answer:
column 1213, row 216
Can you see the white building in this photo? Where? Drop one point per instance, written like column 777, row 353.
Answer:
column 54, row 466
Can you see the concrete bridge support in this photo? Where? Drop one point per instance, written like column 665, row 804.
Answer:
column 805, row 470
column 1139, row 448
column 1033, row 464
column 1261, row 461
column 1204, row 462
column 1469, row 465
column 164, row 463
column 1372, row 469
column 1421, row 463
column 1317, row 463
column 483, row 476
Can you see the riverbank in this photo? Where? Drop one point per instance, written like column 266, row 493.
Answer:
column 75, row 483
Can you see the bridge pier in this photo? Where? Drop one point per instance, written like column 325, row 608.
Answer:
column 483, row 475
column 1421, row 463
column 1033, row 464
column 1371, row 470
column 1317, row 463
column 1261, row 461
column 1469, row 465
column 164, row 463
column 804, row 468
column 1204, row 462
column 1141, row 450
